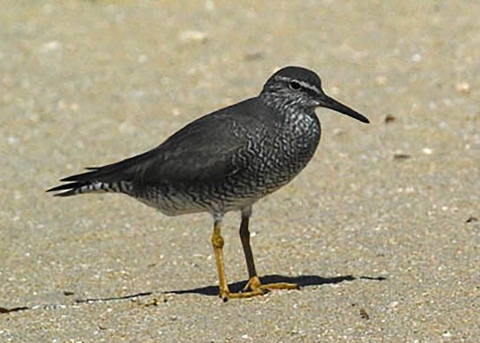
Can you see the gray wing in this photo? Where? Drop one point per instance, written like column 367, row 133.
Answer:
column 205, row 150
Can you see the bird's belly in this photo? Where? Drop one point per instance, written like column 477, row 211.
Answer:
column 171, row 206
column 230, row 195
column 197, row 200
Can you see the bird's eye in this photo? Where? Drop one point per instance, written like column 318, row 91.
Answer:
column 294, row 85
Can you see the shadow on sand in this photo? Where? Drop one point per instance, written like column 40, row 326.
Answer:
column 302, row 281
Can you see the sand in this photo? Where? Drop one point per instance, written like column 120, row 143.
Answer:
column 381, row 229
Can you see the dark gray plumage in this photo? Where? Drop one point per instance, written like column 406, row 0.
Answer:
column 226, row 160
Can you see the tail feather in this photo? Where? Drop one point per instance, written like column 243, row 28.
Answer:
column 74, row 188
column 115, row 177
column 95, row 180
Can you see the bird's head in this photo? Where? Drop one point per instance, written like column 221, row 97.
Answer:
column 297, row 87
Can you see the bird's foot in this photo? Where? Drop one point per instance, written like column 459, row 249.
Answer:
column 254, row 285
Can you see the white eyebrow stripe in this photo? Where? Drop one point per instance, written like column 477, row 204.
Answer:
column 309, row 86
column 302, row 83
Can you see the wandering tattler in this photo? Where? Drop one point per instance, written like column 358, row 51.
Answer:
column 225, row 161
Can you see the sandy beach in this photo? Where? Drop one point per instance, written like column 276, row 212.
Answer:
column 381, row 230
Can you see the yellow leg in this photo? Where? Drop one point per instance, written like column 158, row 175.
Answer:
column 247, row 249
column 217, row 243
column 254, row 286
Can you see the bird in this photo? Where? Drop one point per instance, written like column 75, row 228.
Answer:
column 225, row 161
